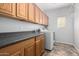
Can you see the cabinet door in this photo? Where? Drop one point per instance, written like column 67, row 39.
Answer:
column 31, row 12
column 43, row 22
column 29, row 51
column 41, row 18
column 38, row 48
column 46, row 20
column 22, row 10
column 37, row 15
column 7, row 8
column 42, row 45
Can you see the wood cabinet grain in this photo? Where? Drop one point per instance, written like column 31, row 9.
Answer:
column 8, row 8
column 40, row 45
column 38, row 48
column 20, row 52
column 12, row 50
column 30, row 51
column 46, row 20
column 31, row 11
column 22, row 10
column 37, row 15
column 41, row 18
column 43, row 22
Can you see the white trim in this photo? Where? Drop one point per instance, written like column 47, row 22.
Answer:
column 65, row 43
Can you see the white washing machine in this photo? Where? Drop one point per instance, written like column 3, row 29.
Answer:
column 49, row 39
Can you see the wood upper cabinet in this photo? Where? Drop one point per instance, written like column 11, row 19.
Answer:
column 22, row 10
column 37, row 15
column 31, row 11
column 46, row 23
column 41, row 17
column 8, row 8
column 45, row 19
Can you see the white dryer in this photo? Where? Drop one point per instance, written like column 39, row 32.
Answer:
column 49, row 39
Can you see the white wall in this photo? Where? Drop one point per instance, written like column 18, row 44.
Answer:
column 11, row 25
column 64, row 35
column 76, row 26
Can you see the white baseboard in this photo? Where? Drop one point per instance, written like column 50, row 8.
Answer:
column 65, row 43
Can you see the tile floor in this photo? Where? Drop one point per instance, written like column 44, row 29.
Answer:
column 61, row 49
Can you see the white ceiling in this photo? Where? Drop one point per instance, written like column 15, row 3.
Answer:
column 48, row 6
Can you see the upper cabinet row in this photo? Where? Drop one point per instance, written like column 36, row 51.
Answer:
column 24, row 11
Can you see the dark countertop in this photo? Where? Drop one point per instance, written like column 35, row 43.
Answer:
column 9, row 38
